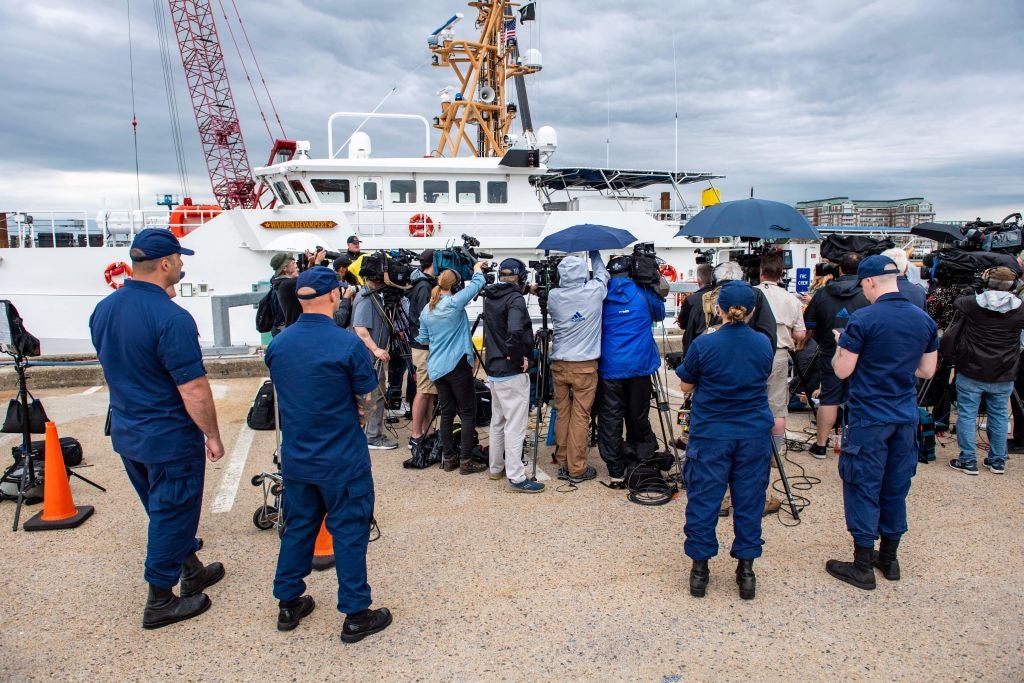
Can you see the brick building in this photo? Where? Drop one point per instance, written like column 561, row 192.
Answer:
column 897, row 213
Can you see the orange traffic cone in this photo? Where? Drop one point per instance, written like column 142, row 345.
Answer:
column 323, row 551
column 59, row 511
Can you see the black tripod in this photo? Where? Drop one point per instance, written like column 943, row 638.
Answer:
column 543, row 346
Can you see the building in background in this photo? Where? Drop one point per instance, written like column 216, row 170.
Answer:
column 896, row 213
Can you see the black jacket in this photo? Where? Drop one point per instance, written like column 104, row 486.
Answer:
column 763, row 320
column 988, row 348
column 508, row 330
column 287, row 298
column 418, row 296
column 691, row 303
column 820, row 314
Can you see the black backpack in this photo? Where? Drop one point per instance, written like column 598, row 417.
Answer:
column 265, row 312
column 261, row 414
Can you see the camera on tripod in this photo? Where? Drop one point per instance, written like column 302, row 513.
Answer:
column 394, row 268
column 826, row 268
column 750, row 261
column 461, row 259
column 704, row 257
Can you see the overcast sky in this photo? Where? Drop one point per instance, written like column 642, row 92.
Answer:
column 800, row 100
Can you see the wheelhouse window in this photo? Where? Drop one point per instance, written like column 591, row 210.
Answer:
column 435, row 191
column 300, row 191
column 281, row 190
column 403, row 191
column 332, row 190
column 467, row 191
column 497, row 192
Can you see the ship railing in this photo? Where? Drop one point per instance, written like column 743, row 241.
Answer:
column 45, row 228
column 396, row 224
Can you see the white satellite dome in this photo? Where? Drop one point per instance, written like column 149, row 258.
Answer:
column 532, row 58
column 359, row 146
column 547, row 141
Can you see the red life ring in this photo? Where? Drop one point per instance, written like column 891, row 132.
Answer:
column 421, row 225
column 114, row 269
column 668, row 272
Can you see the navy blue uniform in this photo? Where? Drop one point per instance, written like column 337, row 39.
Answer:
column 879, row 456
column 730, row 438
column 148, row 346
column 318, row 369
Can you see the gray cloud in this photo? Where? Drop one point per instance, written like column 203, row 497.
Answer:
column 797, row 99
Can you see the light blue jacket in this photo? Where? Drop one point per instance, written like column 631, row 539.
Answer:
column 446, row 330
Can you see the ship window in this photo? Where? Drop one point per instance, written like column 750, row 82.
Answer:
column 332, row 190
column 435, row 191
column 282, row 192
column 467, row 191
column 497, row 192
column 300, row 191
column 403, row 191
column 370, row 191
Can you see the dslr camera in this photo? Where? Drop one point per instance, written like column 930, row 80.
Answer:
column 304, row 262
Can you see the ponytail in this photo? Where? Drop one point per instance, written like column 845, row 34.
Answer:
column 735, row 314
column 445, row 282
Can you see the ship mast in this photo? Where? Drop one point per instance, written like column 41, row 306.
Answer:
column 482, row 67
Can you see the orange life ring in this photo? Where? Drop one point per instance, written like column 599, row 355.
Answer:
column 669, row 272
column 421, row 225
column 114, row 269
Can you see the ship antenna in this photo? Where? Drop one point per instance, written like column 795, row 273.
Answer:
column 675, row 92
column 135, row 122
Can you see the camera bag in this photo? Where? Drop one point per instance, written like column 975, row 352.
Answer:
column 70, row 448
column 14, row 423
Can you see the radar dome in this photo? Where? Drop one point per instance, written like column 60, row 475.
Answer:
column 547, row 141
column 359, row 146
column 532, row 59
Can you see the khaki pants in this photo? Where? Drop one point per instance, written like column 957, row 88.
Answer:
column 572, row 426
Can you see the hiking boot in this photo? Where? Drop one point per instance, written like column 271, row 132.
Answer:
column 525, row 486
column 449, row 464
column 885, row 558
column 858, row 573
column 164, row 608
column 381, row 443
column 563, row 473
column 771, row 506
column 588, row 473
column 964, row 466
column 819, row 452
column 995, row 467
column 195, row 577
column 495, row 476
column 471, row 467
column 291, row 612
column 745, row 579
column 358, row 625
column 699, row 577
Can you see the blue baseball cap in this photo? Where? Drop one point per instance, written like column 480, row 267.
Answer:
column 873, row 266
column 736, row 293
column 157, row 243
column 320, row 279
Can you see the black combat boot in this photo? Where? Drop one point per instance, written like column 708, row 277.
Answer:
column 885, row 558
column 699, row 577
column 164, row 608
column 291, row 612
column 745, row 579
column 858, row 573
column 195, row 578
column 358, row 625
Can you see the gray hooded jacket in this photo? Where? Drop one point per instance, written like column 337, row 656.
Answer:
column 575, row 307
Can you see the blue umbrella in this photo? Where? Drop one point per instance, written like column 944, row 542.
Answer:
column 759, row 219
column 587, row 237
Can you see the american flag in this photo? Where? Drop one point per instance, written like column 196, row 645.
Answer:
column 508, row 31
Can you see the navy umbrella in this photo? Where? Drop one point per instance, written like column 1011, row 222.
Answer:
column 587, row 237
column 758, row 219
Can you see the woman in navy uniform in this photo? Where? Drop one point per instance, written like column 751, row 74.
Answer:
column 730, row 437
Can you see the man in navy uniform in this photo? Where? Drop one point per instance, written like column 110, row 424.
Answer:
column 161, row 409
column 884, row 347
column 324, row 378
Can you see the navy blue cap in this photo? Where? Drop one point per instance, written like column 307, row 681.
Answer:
column 736, row 293
column 873, row 266
column 320, row 279
column 512, row 266
column 353, row 239
column 157, row 243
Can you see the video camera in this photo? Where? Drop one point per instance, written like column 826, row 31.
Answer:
column 835, row 247
column 461, row 259
column 704, row 257
column 750, row 261
column 1004, row 237
column 545, row 277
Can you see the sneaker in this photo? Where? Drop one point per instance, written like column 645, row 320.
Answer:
column 964, row 466
column 525, row 486
column 495, row 476
column 414, row 443
column 382, row 443
column 588, row 474
column 563, row 473
column 995, row 467
column 818, row 452
column 471, row 467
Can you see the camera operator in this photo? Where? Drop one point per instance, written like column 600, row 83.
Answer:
column 508, row 340
column 369, row 324
column 575, row 307
column 343, row 316
column 729, row 437
column 692, row 302
column 284, row 267
column 355, row 256
column 985, row 349
column 423, row 281
column 286, row 286
column 914, row 293
column 444, row 327
column 707, row 317
column 325, row 462
column 629, row 355
column 789, row 332
column 883, row 350
column 830, row 309
column 341, row 266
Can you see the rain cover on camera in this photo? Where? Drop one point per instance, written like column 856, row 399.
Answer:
column 836, row 246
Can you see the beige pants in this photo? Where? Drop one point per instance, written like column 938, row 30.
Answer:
column 572, row 426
